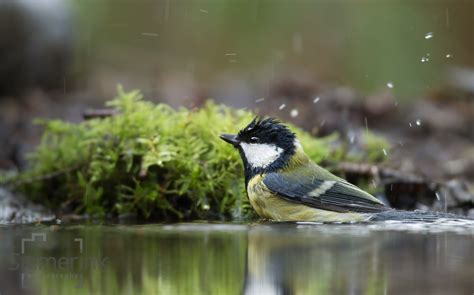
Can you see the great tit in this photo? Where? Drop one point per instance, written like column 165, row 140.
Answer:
column 283, row 184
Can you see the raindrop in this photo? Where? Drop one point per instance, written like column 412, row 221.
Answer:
column 384, row 152
column 231, row 54
column 448, row 55
column 437, row 196
column 390, row 85
column 351, row 136
column 409, row 124
column 374, row 183
column 366, row 126
column 316, row 100
column 418, row 122
column 429, row 35
column 282, row 107
column 203, row 11
column 260, row 99
column 424, row 59
column 297, row 43
column 149, row 34
column 294, row 113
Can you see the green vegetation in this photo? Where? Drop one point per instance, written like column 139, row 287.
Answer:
column 161, row 262
column 377, row 147
column 148, row 160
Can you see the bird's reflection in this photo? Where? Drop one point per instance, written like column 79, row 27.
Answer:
column 282, row 262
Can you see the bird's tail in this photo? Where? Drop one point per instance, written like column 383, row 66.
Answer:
column 417, row 215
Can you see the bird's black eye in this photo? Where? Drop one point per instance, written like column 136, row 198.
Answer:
column 254, row 139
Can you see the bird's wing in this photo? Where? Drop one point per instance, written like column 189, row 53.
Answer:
column 322, row 192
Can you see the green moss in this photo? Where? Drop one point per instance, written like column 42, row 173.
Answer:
column 150, row 160
column 376, row 147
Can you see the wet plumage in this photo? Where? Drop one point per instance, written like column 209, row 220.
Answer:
column 284, row 184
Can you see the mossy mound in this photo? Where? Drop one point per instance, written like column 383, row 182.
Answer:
column 152, row 161
column 149, row 160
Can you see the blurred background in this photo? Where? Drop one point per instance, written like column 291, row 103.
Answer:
column 402, row 68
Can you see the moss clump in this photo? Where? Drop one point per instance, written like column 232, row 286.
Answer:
column 376, row 147
column 149, row 160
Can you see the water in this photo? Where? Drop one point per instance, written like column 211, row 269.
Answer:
column 383, row 258
column 294, row 113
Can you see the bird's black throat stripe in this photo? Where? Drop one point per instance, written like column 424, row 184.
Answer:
column 277, row 165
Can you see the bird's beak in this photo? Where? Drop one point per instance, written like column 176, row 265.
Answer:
column 230, row 138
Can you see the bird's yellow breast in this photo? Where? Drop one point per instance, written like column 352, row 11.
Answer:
column 271, row 206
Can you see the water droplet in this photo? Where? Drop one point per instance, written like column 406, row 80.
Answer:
column 374, row 183
column 418, row 122
column 351, row 136
column 409, row 124
column 390, row 85
column 424, row 59
column 429, row 35
column 437, row 196
column 294, row 113
column 366, row 126
column 150, row 34
column 260, row 99
column 282, row 107
column 449, row 55
column 316, row 100
column 297, row 43
column 384, row 152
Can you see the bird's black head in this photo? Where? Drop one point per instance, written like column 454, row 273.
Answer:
column 267, row 131
column 265, row 145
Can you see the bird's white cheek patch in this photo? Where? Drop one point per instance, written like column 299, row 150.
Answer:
column 260, row 155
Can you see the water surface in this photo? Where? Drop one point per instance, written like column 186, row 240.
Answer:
column 384, row 258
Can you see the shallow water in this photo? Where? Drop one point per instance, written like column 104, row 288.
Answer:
column 382, row 258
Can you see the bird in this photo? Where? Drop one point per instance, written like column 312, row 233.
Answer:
column 284, row 184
